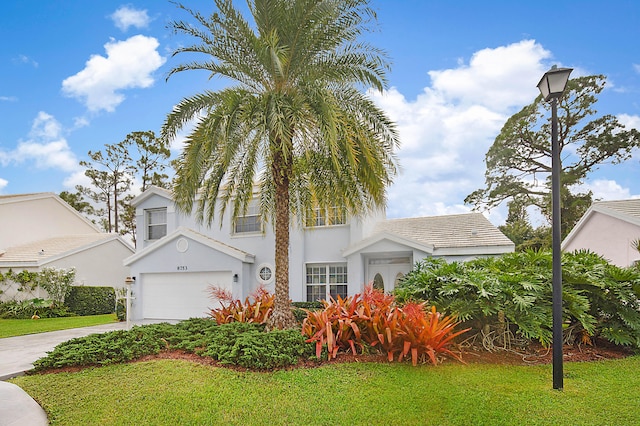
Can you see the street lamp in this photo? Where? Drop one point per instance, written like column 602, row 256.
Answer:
column 552, row 85
column 128, row 282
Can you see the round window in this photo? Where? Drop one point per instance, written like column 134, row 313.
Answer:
column 265, row 274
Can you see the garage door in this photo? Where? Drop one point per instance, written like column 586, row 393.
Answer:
column 180, row 296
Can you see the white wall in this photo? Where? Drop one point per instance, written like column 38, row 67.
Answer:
column 38, row 219
column 607, row 236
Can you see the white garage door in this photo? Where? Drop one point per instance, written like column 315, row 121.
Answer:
column 181, row 295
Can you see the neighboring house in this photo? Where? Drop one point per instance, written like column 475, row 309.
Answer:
column 31, row 217
column 178, row 258
column 608, row 228
column 42, row 230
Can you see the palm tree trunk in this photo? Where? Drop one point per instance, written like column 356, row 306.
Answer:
column 282, row 317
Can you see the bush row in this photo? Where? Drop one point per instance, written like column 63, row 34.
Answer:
column 91, row 300
column 242, row 344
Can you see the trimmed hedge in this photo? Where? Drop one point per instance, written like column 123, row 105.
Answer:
column 91, row 300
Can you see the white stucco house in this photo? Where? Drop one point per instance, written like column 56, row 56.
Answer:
column 177, row 258
column 608, row 228
column 42, row 230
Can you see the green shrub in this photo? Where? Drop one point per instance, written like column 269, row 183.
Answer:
column 249, row 346
column 91, row 300
column 308, row 305
column 43, row 308
column 107, row 348
column 511, row 295
column 242, row 344
column 192, row 335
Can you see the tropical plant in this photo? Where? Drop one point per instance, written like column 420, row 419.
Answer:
column 256, row 308
column 294, row 124
column 337, row 326
column 374, row 320
column 509, row 298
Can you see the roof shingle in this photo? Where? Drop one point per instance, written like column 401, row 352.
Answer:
column 461, row 230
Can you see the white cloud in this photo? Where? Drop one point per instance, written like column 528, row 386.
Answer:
column 129, row 64
column 497, row 78
column 446, row 131
column 45, row 146
column 126, row 16
column 629, row 121
column 636, row 67
column 8, row 98
column 77, row 178
column 606, row 189
column 3, row 184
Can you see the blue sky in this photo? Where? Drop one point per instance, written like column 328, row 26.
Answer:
column 77, row 75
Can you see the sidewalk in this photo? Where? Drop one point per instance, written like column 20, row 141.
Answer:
column 17, row 355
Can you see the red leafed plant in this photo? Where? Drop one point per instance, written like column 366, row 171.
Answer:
column 375, row 320
column 256, row 308
column 336, row 325
column 427, row 333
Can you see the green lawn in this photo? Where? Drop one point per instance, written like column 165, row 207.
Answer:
column 170, row 392
column 20, row 327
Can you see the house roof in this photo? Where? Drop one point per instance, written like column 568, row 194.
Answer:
column 9, row 198
column 461, row 230
column 438, row 233
column 44, row 251
column 150, row 192
column 196, row 236
column 628, row 210
column 18, row 198
column 625, row 210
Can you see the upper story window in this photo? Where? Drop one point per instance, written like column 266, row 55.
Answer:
column 329, row 217
column 156, row 223
column 250, row 222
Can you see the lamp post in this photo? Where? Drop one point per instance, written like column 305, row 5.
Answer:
column 128, row 282
column 552, row 85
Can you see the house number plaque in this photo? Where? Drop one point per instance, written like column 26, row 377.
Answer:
column 181, row 268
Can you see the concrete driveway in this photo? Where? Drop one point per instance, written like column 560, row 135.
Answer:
column 17, row 354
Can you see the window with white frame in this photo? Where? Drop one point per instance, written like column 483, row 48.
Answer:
column 249, row 222
column 330, row 217
column 264, row 274
column 156, row 223
column 326, row 280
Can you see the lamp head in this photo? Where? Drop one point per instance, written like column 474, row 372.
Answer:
column 553, row 82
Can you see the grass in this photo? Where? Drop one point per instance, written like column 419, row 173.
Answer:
column 163, row 392
column 20, row 327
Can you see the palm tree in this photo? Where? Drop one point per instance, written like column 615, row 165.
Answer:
column 295, row 122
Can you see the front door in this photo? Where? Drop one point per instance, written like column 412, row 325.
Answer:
column 384, row 274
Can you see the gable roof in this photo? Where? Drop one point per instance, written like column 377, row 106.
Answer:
column 45, row 251
column 18, row 198
column 625, row 210
column 150, row 192
column 196, row 236
column 467, row 231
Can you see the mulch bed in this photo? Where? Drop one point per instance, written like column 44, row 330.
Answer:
column 535, row 354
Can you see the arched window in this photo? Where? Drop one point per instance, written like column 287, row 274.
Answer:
column 378, row 282
column 399, row 277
